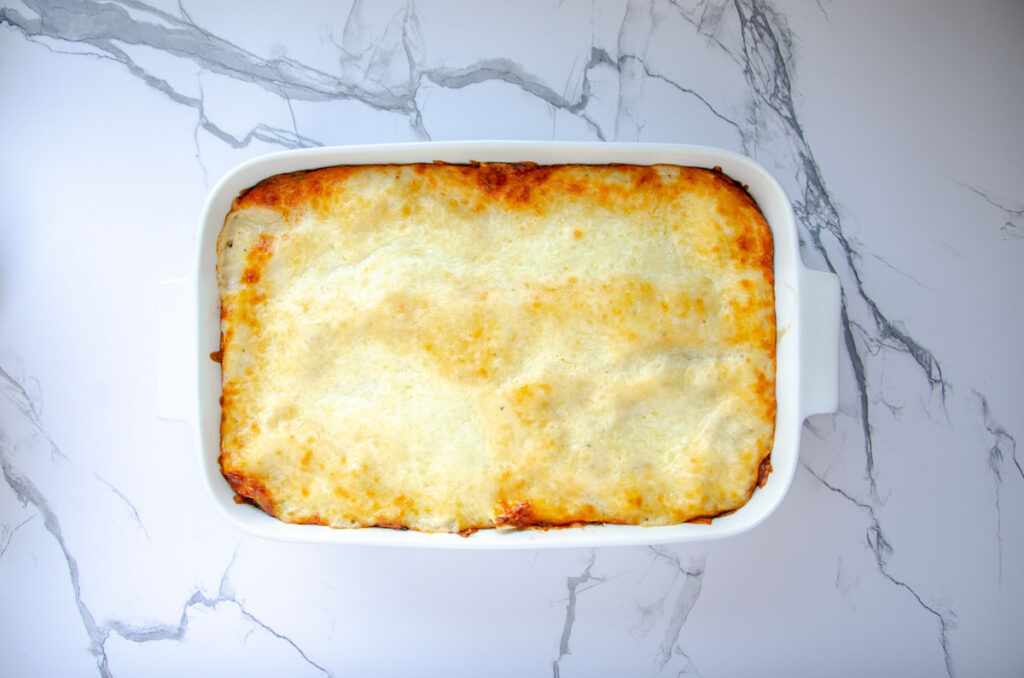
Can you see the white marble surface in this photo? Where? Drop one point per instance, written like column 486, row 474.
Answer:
column 894, row 128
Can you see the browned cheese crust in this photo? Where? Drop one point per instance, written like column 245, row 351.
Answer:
column 450, row 348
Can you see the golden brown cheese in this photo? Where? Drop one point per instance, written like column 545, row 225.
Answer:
column 456, row 347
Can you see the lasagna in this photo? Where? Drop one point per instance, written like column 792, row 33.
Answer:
column 449, row 348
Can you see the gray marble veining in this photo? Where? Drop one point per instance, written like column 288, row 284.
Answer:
column 572, row 585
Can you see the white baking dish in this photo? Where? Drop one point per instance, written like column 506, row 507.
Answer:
column 806, row 302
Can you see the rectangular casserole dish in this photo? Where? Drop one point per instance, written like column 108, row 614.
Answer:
column 806, row 304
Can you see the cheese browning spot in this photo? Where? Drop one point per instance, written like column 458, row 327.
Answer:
column 257, row 258
column 518, row 515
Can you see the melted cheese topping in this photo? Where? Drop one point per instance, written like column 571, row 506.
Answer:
column 448, row 348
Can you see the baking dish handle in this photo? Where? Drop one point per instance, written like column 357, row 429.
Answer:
column 176, row 373
column 819, row 342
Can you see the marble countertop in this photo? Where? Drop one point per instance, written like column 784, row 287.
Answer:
column 895, row 130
